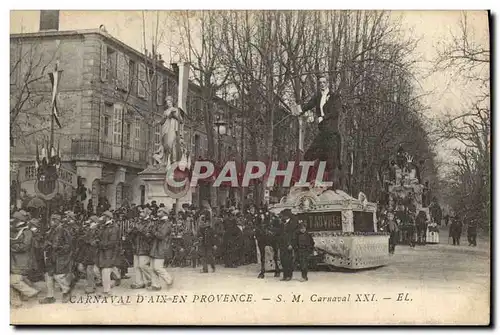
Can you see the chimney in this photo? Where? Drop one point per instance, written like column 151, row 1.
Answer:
column 49, row 20
column 160, row 60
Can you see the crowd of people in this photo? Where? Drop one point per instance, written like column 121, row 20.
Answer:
column 100, row 247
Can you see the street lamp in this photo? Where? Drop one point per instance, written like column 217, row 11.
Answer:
column 220, row 127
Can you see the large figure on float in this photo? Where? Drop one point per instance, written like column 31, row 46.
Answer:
column 344, row 228
column 326, row 146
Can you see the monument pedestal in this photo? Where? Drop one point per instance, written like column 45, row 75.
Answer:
column 154, row 180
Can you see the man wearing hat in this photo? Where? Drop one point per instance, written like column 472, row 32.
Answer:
column 290, row 223
column 208, row 245
column 59, row 265
column 109, row 249
column 159, row 247
column 21, row 258
column 141, row 248
column 231, row 241
column 304, row 244
column 89, row 252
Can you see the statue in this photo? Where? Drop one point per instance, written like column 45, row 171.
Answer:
column 172, row 146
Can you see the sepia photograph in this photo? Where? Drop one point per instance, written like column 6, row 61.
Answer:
column 250, row 167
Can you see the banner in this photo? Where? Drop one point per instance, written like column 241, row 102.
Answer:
column 183, row 86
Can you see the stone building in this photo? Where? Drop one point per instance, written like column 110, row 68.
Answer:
column 107, row 104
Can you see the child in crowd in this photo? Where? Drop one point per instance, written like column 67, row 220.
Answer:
column 305, row 247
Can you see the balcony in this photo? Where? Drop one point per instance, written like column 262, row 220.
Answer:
column 107, row 151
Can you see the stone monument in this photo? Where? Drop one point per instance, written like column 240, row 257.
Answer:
column 172, row 150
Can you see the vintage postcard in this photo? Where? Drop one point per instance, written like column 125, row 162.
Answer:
column 325, row 167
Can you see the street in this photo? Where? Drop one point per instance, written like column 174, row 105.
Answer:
column 428, row 284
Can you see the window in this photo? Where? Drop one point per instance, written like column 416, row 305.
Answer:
column 106, row 127
column 104, row 62
column 137, row 133
column 128, row 134
column 106, row 121
column 132, row 75
column 122, row 72
column 117, row 124
column 141, row 84
column 30, row 172
column 15, row 61
column 111, row 64
column 157, row 137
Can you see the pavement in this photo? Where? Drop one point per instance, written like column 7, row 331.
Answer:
column 431, row 284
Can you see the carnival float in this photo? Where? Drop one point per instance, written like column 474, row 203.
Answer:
column 344, row 228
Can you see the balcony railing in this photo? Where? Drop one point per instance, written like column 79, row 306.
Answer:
column 98, row 149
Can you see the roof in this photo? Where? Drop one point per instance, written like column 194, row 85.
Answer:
column 101, row 32
column 109, row 37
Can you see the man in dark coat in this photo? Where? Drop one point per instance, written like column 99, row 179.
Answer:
column 109, row 250
column 472, row 233
column 207, row 244
column 304, row 245
column 232, row 242
column 161, row 239
column 290, row 223
column 59, row 262
column 393, row 229
column 456, row 230
column 249, row 246
column 141, row 246
column 21, row 259
column 327, row 106
column 89, row 253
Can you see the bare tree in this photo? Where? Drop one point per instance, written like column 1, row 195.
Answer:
column 29, row 70
column 468, row 181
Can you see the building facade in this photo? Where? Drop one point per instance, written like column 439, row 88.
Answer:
column 110, row 97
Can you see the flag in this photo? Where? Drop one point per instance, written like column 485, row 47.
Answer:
column 352, row 163
column 301, row 135
column 183, row 86
column 37, row 160
column 44, row 153
column 55, row 79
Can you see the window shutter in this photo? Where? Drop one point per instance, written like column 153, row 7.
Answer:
column 15, row 62
column 104, row 62
column 120, row 70
column 126, row 74
column 141, row 91
column 137, row 133
column 102, row 113
column 117, row 124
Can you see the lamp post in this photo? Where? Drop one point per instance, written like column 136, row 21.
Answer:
column 221, row 129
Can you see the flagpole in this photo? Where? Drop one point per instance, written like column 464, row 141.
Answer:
column 49, row 152
column 52, row 116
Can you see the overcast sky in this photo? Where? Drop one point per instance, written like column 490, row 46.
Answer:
column 431, row 27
